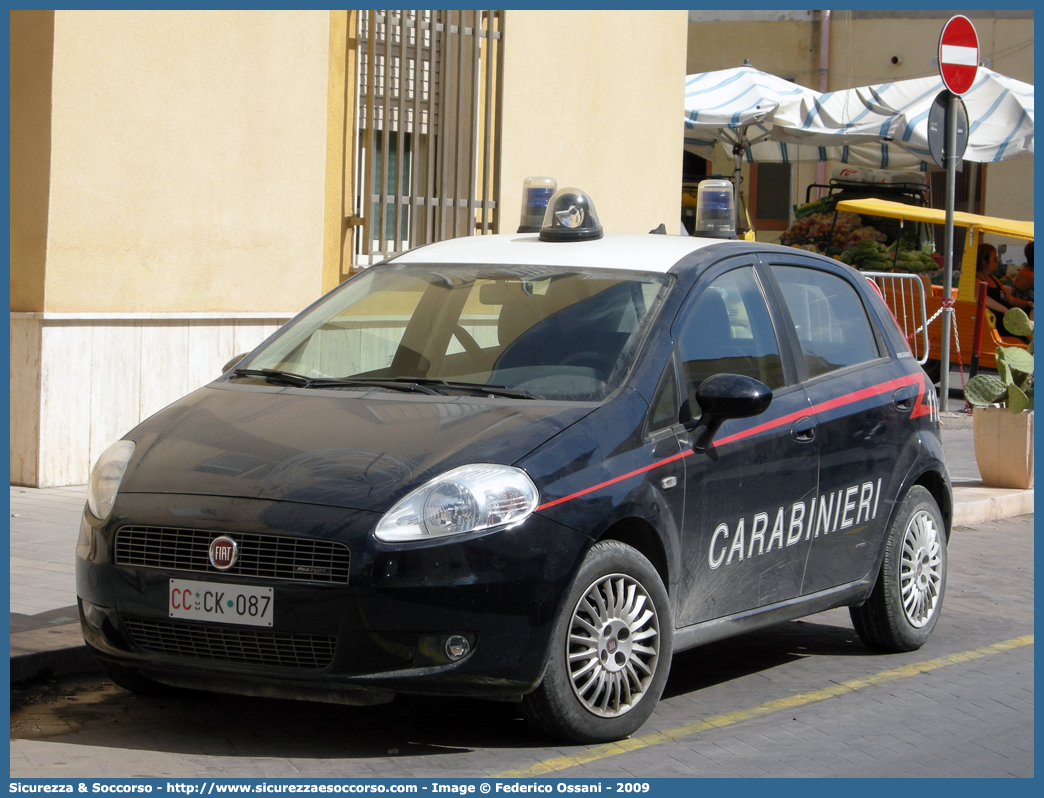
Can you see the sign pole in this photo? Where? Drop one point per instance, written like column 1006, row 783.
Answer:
column 951, row 186
column 958, row 67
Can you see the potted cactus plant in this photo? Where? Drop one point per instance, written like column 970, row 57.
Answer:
column 1003, row 412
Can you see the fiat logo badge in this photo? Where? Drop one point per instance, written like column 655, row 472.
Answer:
column 223, row 552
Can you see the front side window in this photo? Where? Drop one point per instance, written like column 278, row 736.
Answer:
column 727, row 330
column 829, row 319
column 550, row 332
column 665, row 409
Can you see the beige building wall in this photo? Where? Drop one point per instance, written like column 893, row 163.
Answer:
column 32, row 35
column 866, row 47
column 188, row 161
column 169, row 212
column 595, row 100
column 32, row 51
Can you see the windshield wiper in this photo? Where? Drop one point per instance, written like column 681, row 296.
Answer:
column 276, row 376
column 301, row 381
column 425, row 385
column 365, row 382
column 477, row 387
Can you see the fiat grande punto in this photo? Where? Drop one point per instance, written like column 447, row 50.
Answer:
column 526, row 467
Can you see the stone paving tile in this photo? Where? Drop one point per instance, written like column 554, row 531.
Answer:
column 43, row 567
column 24, row 609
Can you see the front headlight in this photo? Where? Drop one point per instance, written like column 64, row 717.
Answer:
column 106, row 476
column 467, row 499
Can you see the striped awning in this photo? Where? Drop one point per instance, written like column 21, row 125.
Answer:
column 1000, row 116
column 884, row 126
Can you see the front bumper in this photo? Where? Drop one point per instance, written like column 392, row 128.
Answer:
column 382, row 631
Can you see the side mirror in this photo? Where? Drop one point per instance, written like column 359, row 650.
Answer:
column 725, row 396
column 233, row 362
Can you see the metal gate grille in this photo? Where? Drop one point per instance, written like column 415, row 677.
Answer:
column 426, row 142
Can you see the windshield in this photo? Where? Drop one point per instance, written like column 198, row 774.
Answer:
column 545, row 332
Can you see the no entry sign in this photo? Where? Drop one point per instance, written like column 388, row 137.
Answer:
column 958, row 54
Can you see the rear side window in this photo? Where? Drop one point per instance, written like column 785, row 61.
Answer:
column 829, row 318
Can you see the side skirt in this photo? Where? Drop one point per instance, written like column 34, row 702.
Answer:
column 851, row 594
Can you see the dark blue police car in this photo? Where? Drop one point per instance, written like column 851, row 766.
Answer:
column 526, row 467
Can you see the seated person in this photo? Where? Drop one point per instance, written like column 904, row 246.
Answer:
column 1023, row 285
column 999, row 298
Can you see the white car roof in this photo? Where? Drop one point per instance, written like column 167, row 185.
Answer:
column 649, row 252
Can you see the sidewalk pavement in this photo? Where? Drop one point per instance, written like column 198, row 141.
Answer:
column 45, row 627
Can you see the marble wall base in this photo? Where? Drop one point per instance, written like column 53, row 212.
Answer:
column 79, row 382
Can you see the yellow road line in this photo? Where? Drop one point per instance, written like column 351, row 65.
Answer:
column 719, row 721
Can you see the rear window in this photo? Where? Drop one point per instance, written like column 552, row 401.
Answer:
column 829, row 317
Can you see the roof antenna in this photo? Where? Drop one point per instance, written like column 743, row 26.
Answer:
column 659, row 231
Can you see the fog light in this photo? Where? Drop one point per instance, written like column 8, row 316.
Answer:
column 93, row 615
column 457, row 647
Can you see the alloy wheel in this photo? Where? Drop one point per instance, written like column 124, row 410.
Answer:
column 920, row 569
column 613, row 645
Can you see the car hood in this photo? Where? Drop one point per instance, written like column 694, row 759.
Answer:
column 329, row 447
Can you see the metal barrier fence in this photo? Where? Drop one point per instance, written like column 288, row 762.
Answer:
column 904, row 295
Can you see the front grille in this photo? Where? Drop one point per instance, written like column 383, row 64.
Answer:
column 260, row 555
column 221, row 644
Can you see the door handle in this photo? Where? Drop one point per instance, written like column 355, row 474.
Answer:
column 904, row 397
column 804, row 429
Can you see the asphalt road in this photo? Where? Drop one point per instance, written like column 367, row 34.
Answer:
column 805, row 698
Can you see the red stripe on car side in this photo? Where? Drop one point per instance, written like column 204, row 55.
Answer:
column 840, row 401
column 614, row 480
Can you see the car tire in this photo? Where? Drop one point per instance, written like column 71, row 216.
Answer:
column 907, row 598
column 610, row 651
column 131, row 679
